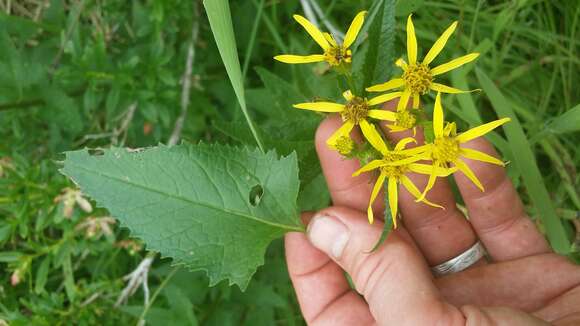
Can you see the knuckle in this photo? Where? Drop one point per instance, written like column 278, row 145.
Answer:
column 371, row 269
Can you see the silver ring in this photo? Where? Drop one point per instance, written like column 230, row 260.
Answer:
column 461, row 262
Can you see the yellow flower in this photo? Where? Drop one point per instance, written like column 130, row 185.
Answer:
column 419, row 78
column 334, row 53
column 446, row 149
column 393, row 167
column 355, row 112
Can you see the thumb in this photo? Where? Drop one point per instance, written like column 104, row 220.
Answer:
column 394, row 279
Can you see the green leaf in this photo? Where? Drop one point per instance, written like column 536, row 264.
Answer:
column 9, row 256
column 526, row 162
column 285, row 137
column 378, row 57
column 42, row 275
column 388, row 224
column 567, row 122
column 62, row 110
column 406, row 7
column 282, row 96
column 192, row 202
column 314, row 196
column 181, row 307
column 69, row 281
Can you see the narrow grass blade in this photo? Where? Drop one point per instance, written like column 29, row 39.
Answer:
column 526, row 162
column 220, row 21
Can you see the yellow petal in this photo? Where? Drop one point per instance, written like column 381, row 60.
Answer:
column 374, row 164
column 382, row 115
column 469, row 173
column 439, row 44
column 314, row 32
column 415, row 101
column 403, row 101
column 374, row 194
column 423, row 149
column 293, row 59
column 354, row 28
column 391, row 84
column 393, row 199
column 401, row 63
column 330, row 39
column 448, row 89
column 347, row 95
column 320, row 106
column 481, row 130
column 455, row 63
column 438, row 117
column 429, row 169
column 383, row 98
column 411, row 42
column 344, row 130
column 404, row 142
column 430, row 183
column 372, row 135
column 450, row 129
column 480, row 156
column 410, row 186
column 395, row 128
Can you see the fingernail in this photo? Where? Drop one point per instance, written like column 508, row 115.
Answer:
column 328, row 234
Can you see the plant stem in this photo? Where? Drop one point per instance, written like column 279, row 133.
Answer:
column 250, row 49
column 155, row 294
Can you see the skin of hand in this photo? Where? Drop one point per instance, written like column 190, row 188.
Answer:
column 524, row 283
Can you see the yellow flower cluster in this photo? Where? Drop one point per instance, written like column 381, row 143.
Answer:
column 444, row 153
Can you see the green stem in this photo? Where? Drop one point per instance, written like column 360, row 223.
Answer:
column 155, row 294
column 250, row 49
column 348, row 78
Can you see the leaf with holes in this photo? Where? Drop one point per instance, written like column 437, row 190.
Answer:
column 210, row 207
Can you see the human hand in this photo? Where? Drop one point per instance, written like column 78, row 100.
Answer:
column 524, row 284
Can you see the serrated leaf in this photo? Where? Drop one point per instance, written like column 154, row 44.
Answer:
column 283, row 136
column 192, row 202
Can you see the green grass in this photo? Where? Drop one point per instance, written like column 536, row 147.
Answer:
column 111, row 75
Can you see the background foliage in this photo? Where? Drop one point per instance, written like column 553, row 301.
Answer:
column 95, row 73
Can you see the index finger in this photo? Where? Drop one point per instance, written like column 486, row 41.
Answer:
column 345, row 190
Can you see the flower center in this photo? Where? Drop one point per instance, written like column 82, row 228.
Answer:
column 344, row 145
column 406, row 119
column 446, row 149
column 337, row 55
column 355, row 110
column 418, row 78
column 393, row 171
